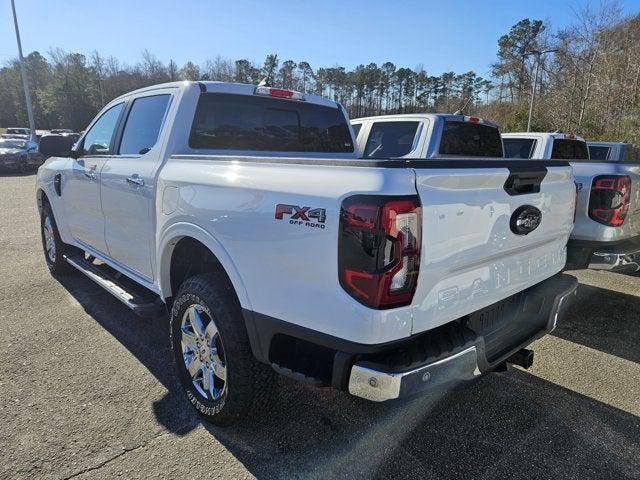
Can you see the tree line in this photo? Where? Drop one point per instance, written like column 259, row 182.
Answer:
column 589, row 84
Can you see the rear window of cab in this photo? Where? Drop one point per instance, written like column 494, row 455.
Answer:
column 566, row 149
column 254, row 123
column 466, row 139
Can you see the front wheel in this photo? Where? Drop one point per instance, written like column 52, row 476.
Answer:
column 53, row 247
column 222, row 379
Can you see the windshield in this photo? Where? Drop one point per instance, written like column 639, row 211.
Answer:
column 12, row 143
column 468, row 139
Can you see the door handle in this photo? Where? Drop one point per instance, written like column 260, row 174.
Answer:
column 135, row 179
column 90, row 174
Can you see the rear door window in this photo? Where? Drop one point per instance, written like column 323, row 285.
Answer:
column 468, row 139
column 247, row 122
column 564, row 149
column 519, row 147
column 599, row 152
column 143, row 124
column 390, row 139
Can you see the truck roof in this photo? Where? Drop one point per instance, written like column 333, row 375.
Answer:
column 420, row 116
column 606, row 144
column 229, row 87
column 554, row 135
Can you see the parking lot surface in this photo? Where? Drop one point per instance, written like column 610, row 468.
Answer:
column 87, row 390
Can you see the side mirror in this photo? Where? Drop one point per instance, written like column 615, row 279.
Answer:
column 56, row 146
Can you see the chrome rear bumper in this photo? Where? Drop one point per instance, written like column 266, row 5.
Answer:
column 378, row 382
column 380, row 386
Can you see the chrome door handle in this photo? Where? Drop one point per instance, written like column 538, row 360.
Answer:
column 90, row 174
column 135, row 179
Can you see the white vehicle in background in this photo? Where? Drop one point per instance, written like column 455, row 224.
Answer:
column 427, row 135
column 247, row 213
column 614, row 151
column 606, row 235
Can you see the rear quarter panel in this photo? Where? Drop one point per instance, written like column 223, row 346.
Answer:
column 287, row 269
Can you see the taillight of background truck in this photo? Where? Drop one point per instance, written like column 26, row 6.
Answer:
column 610, row 198
column 379, row 249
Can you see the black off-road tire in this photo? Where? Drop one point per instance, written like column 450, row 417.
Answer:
column 56, row 263
column 249, row 383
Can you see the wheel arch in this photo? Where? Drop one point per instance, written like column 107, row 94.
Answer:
column 174, row 237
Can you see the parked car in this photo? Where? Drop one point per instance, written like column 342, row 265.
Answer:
column 18, row 131
column 606, row 235
column 427, row 135
column 247, row 213
column 614, row 151
column 19, row 154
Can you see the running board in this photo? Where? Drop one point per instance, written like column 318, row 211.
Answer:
column 142, row 301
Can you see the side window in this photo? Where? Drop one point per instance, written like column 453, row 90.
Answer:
column 598, row 152
column 390, row 139
column 518, row 147
column 143, row 124
column 97, row 141
column 356, row 129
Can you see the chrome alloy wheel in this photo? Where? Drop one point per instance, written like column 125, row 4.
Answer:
column 49, row 240
column 202, row 352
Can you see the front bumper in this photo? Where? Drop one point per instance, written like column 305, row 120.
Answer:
column 622, row 256
column 533, row 314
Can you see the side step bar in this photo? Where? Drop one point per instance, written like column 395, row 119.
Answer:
column 143, row 302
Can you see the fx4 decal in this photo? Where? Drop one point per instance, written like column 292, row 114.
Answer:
column 306, row 216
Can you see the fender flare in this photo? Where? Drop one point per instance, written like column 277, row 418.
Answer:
column 177, row 231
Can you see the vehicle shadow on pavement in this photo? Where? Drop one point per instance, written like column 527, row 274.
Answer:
column 605, row 320
column 507, row 425
column 504, row 425
column 147, row 340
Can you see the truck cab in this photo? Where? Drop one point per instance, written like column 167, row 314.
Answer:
column 427, row 135
column 614, row 151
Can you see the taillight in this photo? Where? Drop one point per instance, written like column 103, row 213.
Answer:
column 379, row 249
column 610, row 198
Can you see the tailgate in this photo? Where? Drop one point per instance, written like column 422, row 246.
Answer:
column 474, row 253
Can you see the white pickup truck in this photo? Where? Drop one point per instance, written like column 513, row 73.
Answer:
column 606, row 235
column 247, row 212
column 427, row 135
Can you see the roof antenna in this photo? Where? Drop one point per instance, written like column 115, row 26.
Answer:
column 461, row 111
column 266, row 81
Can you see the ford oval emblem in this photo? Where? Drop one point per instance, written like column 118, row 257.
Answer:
column 525, row 220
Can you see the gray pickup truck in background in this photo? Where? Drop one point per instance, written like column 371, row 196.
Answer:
column 614, row 152
column 606, row 235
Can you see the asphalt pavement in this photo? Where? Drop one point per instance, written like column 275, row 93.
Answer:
column 87, row 390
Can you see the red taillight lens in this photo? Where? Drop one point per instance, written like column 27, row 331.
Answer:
column 610, row 198
column 379, row 249
column 279, row 92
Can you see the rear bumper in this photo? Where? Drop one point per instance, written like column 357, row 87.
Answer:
column 622, row 256
column 379, row 382
column 457, row 351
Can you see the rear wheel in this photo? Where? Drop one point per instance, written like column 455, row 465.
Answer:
column 222, row 379
column 53, row 247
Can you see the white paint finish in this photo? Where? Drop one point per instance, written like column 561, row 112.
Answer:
column 289, row 271
column 470, row 257
column 81, row 200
